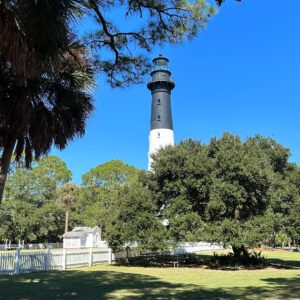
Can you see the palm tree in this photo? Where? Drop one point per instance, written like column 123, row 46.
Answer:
column 67, row 195
column 51, row 109
column 35, row 35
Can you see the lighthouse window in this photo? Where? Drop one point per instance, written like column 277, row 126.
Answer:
column 158, row 135
column 158, row 118
column 158, row 101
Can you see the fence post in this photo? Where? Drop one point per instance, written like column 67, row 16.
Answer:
column 91, row 257
column 109, row 256
column 17, row 261
column 48, row 258
column 64, row 259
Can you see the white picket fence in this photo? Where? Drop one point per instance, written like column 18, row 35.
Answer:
column 24, row 261
column 197, row 247
column 10, row 246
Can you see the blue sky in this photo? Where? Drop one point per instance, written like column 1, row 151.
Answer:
column 240, row 75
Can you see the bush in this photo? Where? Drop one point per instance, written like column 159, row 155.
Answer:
column 162, row 260
column 252, row 259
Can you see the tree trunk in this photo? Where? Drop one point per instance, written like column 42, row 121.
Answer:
column 67, row 220
column 236, row 251
column 244, row 251
column 5, row 163
column 127, row 254
column 274, row 239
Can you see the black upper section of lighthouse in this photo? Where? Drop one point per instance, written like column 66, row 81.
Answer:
column 161, row 86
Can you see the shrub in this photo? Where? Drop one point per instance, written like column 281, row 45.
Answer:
column 253, row 259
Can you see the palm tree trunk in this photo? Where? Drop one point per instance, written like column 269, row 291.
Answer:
column 5, row 163
column 67, row 220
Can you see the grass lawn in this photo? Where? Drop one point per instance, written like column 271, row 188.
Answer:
column 118, row 282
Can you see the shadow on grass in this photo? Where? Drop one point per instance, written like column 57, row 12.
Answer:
column 285, row 287
column 287, row 264
column 120, row 285
column 273, row 262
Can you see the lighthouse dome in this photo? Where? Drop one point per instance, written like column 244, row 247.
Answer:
column 160, row 63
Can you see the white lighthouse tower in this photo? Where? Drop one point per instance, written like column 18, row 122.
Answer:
column 161, row 125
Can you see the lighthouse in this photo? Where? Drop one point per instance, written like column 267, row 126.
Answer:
column 161, row 124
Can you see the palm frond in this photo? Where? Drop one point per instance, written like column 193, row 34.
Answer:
column 36, row 34
column 50, row 110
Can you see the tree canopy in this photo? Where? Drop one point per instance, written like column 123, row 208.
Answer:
column 30, row 209
column 99, row 186
column 126, row 36
column 110, row 174
column 131, row 221
column 228, row 191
